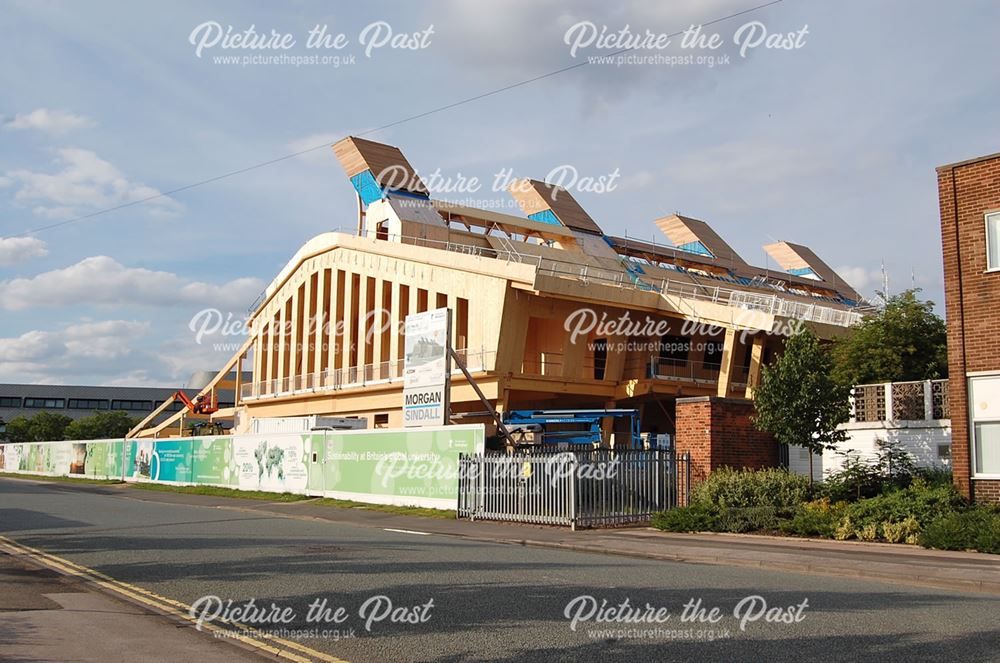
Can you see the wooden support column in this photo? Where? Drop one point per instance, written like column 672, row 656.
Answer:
column 728, row 355
column 238, row 392
column 362, row 322
column 320, row 322
column 756, row 361
column 259, row 356
column 295, row 336
column 376, row 321
column 453, row 305
column 394, row 323
column 345, row 339
column 308, row 321
column 335, row 333
column 283, row 341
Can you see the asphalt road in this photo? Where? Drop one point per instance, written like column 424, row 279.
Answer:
column 490, row 601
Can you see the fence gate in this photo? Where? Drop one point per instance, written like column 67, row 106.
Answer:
column 575, row 488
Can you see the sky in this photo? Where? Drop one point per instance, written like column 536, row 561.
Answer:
column 830, row 141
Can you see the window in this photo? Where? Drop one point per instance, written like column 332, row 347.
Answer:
column 87, row 404
column 984, row 411
column 131, row 405
column 988, row 448
column 10, row 401
column 600, row 357
column 993, row 241
column 674, row 349
column 713, row 355
column 45, row 403
column 382, row 420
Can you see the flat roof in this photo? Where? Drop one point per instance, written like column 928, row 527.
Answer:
column 952, row 166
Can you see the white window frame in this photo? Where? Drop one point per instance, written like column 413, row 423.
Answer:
column 974, row 472
column 992, row 261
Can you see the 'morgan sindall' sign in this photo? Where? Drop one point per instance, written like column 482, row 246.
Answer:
column 427, row 368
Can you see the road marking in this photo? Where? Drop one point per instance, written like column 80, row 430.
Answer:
column 263, row 641
column 406, row 531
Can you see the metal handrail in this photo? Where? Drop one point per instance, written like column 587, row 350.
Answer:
column 689, row 289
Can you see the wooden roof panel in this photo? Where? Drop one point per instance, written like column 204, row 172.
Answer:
column 387, row 164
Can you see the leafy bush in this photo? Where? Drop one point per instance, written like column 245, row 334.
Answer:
column 727, row 488
column 891, row 468
column 974, row 529
column 855, row 480
column 816, row 518
column 748, row 519
column 906, row 531
column 695, row 518
column 920, row 501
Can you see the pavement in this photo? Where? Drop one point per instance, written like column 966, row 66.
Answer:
column 502, row 592
column 47, row 616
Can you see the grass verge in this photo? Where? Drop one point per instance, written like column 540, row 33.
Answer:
column 217, row 491
column 35, row 477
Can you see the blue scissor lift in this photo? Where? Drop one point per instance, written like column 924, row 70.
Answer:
column 571, row 427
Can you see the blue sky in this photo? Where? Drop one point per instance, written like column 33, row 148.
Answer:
column 832, row 145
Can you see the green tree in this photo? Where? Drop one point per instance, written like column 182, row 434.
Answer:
column 798, row 400
column 18, row 430
column 43, row 427
column 101, row 425
column 48, row 426
column 903, row 341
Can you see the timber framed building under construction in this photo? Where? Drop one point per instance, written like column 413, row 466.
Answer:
column 548, row 311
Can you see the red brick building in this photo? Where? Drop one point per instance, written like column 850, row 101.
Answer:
column 969, row 192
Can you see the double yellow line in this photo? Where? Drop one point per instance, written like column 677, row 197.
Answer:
column 259, row 640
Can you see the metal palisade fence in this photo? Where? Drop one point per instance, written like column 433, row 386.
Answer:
column 591, row 488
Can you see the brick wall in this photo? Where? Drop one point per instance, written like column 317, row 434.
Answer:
column 967, row 191
column 986, row 490
column 718, row 432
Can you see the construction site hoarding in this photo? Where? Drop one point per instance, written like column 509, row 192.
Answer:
column 96, row 459
column 400, row 467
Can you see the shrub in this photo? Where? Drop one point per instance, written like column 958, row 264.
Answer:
column 905, row 531
column 748, row 519
column 935, row 476
column 854, row 481
column 974, row 529
column 844, row 529
column 919, row 501
column 727, row 488
column 867, row 532
column 695, row 518
column 816, row 518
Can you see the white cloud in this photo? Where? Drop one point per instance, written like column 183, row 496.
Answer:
column 109, row 352
column 100, row 340
column 49, row 121
column 861, row 278
column 103, row 281
column 14, row 250
column 82, row 180
column 85, row 349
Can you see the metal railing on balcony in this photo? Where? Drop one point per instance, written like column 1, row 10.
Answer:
column 683, row 286
column 354, row 376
